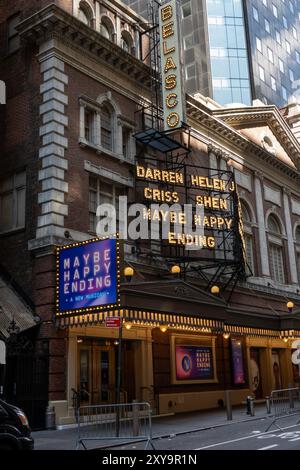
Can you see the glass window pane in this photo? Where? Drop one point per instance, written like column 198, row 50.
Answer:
column 6, row 212
column 20, row 209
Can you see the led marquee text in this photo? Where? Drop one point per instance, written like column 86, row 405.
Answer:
column 205, row 193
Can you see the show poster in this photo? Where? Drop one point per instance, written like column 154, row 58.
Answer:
column 194, row 362
column 255, row 385
column 237, row 362
column 276, row 371
column 87, row 276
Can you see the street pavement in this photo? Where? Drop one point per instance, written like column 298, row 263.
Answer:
column 203, row 428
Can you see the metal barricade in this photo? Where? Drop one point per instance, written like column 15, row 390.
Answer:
column 285, row 402
column 125, row 422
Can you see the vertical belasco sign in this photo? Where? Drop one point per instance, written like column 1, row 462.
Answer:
column 172, row 66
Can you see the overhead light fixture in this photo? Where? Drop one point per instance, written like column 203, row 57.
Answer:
column 215, row 290
column 163, row 328
column 128, row 273
column 290, row 305
column 175, row 269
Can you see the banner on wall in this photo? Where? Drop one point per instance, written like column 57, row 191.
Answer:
column 194, row 362
column 87, row 276
column 276, row 376
column 237, row 362
column 255, row 385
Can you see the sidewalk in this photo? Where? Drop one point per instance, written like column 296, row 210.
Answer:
column 162, row 426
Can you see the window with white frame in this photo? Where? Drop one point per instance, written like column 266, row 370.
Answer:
column 270, row 55
column 276, row 250
column 288, row 47
column 258, row 44
column 295, row 34
column 278, row 37
column 273, row 83
column 106, row 127
column 285, row 23
column 276, row 259
column 89, row 118
column 275, row 10
column 102, row 192
column 261, row 73
column 13, row 38
column 12, row 202
column 281, row 65
column 267, row 25
column 297, row 57
column 284, row 92
column 255, row 13
column 291, row 75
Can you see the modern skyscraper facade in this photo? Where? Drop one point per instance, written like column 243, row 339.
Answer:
column 237, row 51
column 274, row 33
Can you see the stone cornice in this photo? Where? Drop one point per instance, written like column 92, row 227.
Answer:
column 211, row 121
column 53, row 21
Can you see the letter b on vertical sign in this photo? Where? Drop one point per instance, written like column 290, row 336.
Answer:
column 171, row 65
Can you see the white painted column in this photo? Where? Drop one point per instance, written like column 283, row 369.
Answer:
column 290, row 238
column 263, row 245
column 54, row 144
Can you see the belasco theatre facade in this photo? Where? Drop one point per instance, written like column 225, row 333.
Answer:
column 81, row 128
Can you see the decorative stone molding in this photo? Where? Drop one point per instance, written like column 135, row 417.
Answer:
column 108, row 174
column 51, row 198
column 272, row 195
column 295, row 207
column 243, row 180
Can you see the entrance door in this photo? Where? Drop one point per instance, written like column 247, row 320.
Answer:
column 96, row 373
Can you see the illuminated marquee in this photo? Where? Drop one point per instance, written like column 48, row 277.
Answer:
column 161, row 187
column 87, row 276
column 173, row 96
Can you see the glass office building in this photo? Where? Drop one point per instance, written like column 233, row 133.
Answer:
column 228, row 52
column 237, row 51
column 274, row 35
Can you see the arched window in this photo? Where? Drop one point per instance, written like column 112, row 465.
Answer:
column 85, row 14
column 273, row 225
column 106, row 127
column 248, row 237
column 107, row 28
column 127, row 42
column 276, row 249
column 105, row 31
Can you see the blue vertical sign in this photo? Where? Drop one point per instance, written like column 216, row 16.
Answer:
column 87, row 276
